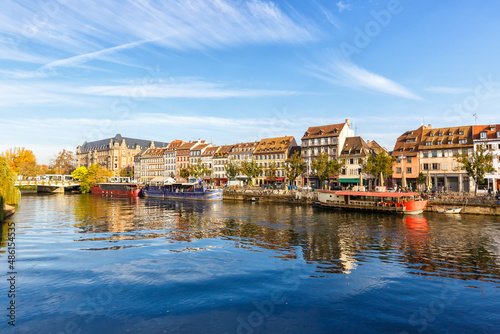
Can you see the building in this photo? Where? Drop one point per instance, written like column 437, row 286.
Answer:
column 220, row 159
column 438, row 149
column 407, row 158
column 170, row 158
column 137, row 165
column 324, row 138
column 207, row 161
column 354, row 153
column 242, row 152
column 115, row 153
column 183, row 155
column 275, row 151
column 153, row 164
column 489, row 135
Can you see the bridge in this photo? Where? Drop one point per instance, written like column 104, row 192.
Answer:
column 50, row 186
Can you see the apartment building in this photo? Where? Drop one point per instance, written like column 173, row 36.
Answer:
column 407, row 158
column 242, row 152
column 153, row 165
column 438, row 149
column 489, row 136
column 183, row 155
column 207, row 161
column 273, row 151
column 325, row 138
column 219, row 161
column 171, row 158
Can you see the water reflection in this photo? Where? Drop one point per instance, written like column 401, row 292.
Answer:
column 334, row 242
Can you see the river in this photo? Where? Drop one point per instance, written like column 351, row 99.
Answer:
column 91, row 264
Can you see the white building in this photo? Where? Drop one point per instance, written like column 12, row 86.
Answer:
column 489, row 135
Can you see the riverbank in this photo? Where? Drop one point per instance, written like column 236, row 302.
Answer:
column 307, row 198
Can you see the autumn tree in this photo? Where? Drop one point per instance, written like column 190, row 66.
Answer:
column 63, row 162
column 22, row 161
column 184, row 173
column 8, row 190
column 126, row 172
column 379, row 165
column 251, row 169
column 295, row 167
column 271, row 169
column 477, row 164
column 90, row 177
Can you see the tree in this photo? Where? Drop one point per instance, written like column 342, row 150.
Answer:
column 184, row 173
column 92, row 176
column 476, row 165
column 8, row 190
column 379, row 165
column 421, row 179
column 63, row 162
column 198, row 170
column 295, row 167
column 251, row 169
column 22, row 161
column 326, row 168
column 126, row 172
column 271, row 171
column 231, row 169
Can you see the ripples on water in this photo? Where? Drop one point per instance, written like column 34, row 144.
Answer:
column 98, row 264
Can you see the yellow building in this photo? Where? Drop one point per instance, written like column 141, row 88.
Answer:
column 273, row 151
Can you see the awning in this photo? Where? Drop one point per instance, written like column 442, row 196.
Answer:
column 348, row 181
column 279, row 179
column 160, row 179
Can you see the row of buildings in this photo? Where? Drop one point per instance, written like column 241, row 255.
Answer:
column 427, row 150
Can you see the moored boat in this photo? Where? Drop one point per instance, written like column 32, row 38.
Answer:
column 406, row 203
column 183, row 191
column 117, row 189
column 450, row 210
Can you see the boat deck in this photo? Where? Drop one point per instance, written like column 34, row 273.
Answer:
column 367, row 207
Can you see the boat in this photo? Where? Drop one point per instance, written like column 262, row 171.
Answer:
column 449, row 210
column 183, row 191
column 117, row 189
column 408, row 203
column 8, row 210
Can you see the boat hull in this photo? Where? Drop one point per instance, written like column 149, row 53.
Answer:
column 116, row 191
column 212, row 195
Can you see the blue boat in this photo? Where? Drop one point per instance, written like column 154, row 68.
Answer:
column 183, row 191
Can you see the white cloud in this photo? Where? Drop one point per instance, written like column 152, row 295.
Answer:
column 68, row 32
column 448, row 90
column 344, row 5
column 345, row 73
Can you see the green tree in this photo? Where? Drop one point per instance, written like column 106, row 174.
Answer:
column 22, row 161
column 271, row 171
column 89, row 178
column 295, row 167
column 379, row 165
column 326, row 168
column 126, row 172
column 421, row 179
column 8, row 190
column 184, row 173
column 477, row 164
column 231, row 169
column 63, row 162
column 251, row 169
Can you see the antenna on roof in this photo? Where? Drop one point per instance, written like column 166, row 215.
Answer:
column 423, row 120
column 476, row 117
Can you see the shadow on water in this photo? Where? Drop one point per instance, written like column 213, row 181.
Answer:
column 460, row 247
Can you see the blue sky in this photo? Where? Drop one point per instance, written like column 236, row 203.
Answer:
column 239, row 70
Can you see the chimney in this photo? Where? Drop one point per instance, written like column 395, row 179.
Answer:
column 429, row 126
column 347, row 121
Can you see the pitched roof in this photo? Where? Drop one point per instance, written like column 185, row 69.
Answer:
column 104, row 144
column 355, row 147
column 275, row 145
column 210, row 151
column 408, row 143
column 332, row 130
column 492, row 131
column 244, row 147
column 449, row 137
column 154, row 152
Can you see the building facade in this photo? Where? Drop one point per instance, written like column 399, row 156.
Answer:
column 438, row 150
column 242, row 152
column 325, row 138
column 407, row 158
column 489, row 136
column 273, row 151
column 170, row 158
column 152, row 164
column 182, row 157
column 220, row 159
column 114, row 154
column 207, row 161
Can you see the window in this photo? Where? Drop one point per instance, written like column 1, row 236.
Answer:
column 483, row 135
column 426, row 154
column 435, row 166
column 425, row 166
column 440, row 134
column 450, row 142
column 398, row 170
column 498, row 134
column 463, row 141
column 450, row 133
column 428, row 143
column 351, row 161
column 431, row 134
column 408, row 170
column 440, row 142
column 434, row 154
column 444, row 166
column 461, row 133
column 408, row 160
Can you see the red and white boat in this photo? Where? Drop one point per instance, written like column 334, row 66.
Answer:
column 117, row 189
column 406, row 203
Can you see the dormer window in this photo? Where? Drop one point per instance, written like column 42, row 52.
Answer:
column 450, row 133
column 463, row 141
column 450, row 142
column 440, row 134
column 439, row 142
column 431, row 135
column 335, row 130
column 483, row 135
column 428, row 143
column 498, row 134
column 461, row 133
column 492, row 128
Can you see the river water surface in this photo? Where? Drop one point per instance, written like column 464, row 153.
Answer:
column 91, row 264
